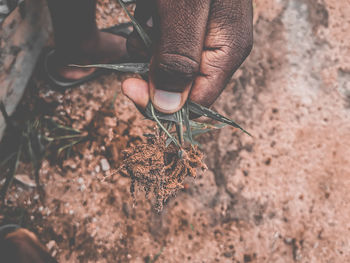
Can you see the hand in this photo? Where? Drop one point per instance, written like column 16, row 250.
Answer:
column 198, row 45
column 22, row 246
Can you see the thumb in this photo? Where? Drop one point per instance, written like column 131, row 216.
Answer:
column 137, row 91
column 170, row 81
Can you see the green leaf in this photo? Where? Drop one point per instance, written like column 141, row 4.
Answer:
column 168, row 141
column 7, row 159
column 139, row 68
column 201, row 125
column 179, row 127
column 146, row 39
column 186, row 118
column 129, row 1
column 203, row 111
column 68, row 146
column 59, row 126
column 12, row 172
column 163, row 128
column 66, row 137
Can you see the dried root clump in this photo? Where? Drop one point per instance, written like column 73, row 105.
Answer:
column 160, row 170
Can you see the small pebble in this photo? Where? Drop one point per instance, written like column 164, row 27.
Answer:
column 82, row 188
column 51, row 244
column 105, row 165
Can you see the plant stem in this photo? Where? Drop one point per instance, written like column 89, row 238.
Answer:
column 163, row 128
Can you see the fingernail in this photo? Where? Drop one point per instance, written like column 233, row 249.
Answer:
column 165, row 100
column 149, row 22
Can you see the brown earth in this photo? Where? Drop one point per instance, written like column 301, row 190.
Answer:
column 158, row 169
column 281, row 196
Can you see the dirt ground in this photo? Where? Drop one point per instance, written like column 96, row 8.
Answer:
column 281, row 196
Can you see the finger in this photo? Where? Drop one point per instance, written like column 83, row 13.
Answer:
column 137, row 91
column 228, row 42
column 175, row 63
column 23, row 246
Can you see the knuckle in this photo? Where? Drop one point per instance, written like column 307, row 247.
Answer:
column 173, row 71
column 178, row 65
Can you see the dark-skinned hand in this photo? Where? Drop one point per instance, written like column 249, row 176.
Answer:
column 22, row 246
column 197, row 46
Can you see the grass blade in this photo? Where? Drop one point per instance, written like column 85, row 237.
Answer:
column 163, row 128
column 8, row 158
column 203, row 111
column 169, row 125
column 167, row 142
column 139, row 68
column 146, row 39
column 111, row 106
column 62, row 127
column 179, row 127
column 4, row 114
column 200, row 125
column 186, row 114
column 65, row 137
column 11, row 173
column 60, row 150
column 129, row 1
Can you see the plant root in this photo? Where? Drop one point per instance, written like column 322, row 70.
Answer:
column 159, row 169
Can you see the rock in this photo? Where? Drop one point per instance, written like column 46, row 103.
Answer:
column 88, row 115
column 51, row 244
column 105, row 165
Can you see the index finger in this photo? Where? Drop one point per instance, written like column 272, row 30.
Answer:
column 228, row 42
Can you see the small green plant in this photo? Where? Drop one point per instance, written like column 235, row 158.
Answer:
column 32, row 141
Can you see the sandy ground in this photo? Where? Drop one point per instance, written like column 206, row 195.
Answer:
column 281, row 196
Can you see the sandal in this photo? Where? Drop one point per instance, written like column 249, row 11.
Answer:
column 7, row 229
column 62, row 83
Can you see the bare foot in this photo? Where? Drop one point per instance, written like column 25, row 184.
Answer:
column 103, row 48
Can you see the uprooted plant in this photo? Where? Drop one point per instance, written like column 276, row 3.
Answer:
column 161, row 165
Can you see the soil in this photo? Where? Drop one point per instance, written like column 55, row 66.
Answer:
column 160, row 169
column 281, row 196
